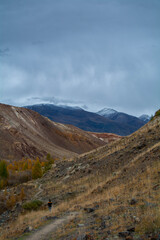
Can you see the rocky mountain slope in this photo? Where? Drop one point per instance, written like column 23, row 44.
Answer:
column 106, row 137
column 126, row 119
column 122, row 124
column 25, row 133
column 113, row 189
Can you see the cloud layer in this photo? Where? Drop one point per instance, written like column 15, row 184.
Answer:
column 101, row 53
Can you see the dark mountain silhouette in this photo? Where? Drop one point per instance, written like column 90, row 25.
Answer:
column 122, row 125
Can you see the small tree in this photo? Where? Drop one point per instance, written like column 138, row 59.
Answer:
column 3, row 170
column 25, row 166
column 37, row 170
column 50, row 159
column 48, row 156
column 42, row 164
column 22, row 194
column 29, row 164
column 11, row 201
column 48, row 164
column 2, row 183
column 157, row 113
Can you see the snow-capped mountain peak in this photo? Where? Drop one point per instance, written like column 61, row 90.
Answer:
column 145, row 117
column 106, row 112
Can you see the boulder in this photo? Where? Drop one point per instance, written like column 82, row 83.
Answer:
column 124, row 234
column 131, row 229
column 133, row 201
column 89, row 210
column 85, row 237
column 103, row 225
column 80, row 225
column 28, row 229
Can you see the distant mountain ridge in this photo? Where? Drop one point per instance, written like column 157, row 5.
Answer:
column 121, row 117
column 118, row 123
column 113, row 114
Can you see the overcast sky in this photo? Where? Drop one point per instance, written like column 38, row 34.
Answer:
column 98, row 53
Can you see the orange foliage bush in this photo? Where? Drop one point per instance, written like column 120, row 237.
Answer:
column 22, row 194
column 21, row 171
column 11, row 201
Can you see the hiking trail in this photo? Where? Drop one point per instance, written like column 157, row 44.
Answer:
column 45, row 232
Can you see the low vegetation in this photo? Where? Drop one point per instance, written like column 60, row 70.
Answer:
column 4, row 174
column 112, row 188
column 32, row 205
column 10, row 199
column 37, row 170
column 157, row 114
column 17, row 172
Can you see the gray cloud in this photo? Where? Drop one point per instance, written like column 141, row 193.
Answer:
column 4, row 52
column 98, row 53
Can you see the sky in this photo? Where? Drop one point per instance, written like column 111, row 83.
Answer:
column 90, row 53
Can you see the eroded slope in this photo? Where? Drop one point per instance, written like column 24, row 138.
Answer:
column 25, row 133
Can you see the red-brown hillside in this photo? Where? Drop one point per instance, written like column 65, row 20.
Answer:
column 106, row 137
column 25, row 133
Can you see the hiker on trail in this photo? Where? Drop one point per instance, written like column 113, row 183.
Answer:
column 50, row 205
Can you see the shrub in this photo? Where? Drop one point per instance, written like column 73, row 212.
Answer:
column 19, row 177
column 25, row 166
column 3, row 183
column 48, row 164
column 48, row 156
column 157, row 113
column 3, row 170
column 32, row 205
column 11, row 201
column 22, row 194
column 50, row 159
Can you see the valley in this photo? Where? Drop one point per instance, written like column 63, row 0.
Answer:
column 113, row 189
column 118, row 123
column 79, row 120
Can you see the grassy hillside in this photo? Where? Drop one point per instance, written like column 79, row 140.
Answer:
column 115, row 189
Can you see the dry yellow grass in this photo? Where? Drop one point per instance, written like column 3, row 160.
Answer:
column 150, row 222
column 98, row 188
column 142, row 185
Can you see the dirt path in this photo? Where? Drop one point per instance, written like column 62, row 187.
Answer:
column 45, row 232
column 145, row 152
column 40, row 190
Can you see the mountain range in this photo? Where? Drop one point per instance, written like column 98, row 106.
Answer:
column 109, row 121
column 120, row 116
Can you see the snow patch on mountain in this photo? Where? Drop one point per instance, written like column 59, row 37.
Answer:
column 106, row 112
column 145, row 117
